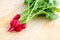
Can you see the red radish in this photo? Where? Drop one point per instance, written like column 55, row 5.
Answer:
column 17, row 16
column 11, row 22
column 18, row 29
column 11, row 29
column 23, row 25
column 16, row 23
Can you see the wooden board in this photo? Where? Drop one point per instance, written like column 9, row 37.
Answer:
column 37, row 29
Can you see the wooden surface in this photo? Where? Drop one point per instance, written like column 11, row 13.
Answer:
column 37, row 29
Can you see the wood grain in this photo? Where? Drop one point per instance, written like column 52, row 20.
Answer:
column 37, row 29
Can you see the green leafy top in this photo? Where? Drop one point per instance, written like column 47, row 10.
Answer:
column 39, row 7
